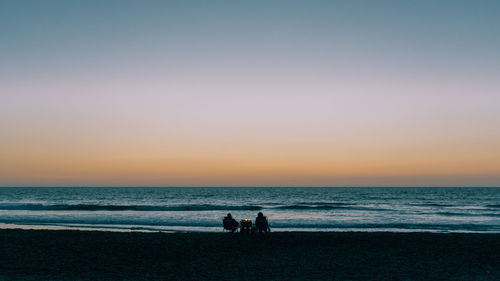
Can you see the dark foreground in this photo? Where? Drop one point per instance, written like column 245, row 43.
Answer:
column 74, row 255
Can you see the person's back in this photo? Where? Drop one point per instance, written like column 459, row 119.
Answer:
column 229, row 223
column 261, row 223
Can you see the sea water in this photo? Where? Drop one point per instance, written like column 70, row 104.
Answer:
column 287, row 208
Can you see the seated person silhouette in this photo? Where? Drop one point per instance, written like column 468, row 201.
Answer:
column 229, row 223
column 261, row 223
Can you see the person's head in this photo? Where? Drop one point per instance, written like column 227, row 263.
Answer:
column 229, row 215
column 260, row 215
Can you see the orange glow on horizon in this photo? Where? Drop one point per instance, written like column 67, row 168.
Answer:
column 236, row 162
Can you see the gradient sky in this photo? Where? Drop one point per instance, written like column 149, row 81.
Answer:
column 251, row 93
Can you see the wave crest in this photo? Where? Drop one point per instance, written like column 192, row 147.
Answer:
column 96, row 207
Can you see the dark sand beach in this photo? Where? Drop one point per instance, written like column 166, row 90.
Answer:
column 93, row 255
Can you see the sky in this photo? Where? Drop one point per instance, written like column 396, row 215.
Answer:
column 249, row 93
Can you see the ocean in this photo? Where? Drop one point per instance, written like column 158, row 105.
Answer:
column 440, row 209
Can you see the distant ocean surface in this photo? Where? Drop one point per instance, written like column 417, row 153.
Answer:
column 288, row 208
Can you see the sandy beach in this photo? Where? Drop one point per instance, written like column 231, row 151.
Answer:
column 92, row 255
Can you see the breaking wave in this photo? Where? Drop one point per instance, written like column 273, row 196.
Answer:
column 93, row 207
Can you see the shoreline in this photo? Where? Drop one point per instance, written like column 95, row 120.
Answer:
column 13, row 226
column 172, row 229
column 101, row 255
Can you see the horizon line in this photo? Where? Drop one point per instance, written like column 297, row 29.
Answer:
column 242, row 186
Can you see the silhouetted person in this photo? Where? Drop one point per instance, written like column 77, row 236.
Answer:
column 229, row 223
column 261, row 223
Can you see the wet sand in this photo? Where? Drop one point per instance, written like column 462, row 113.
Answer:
column 93, row 255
